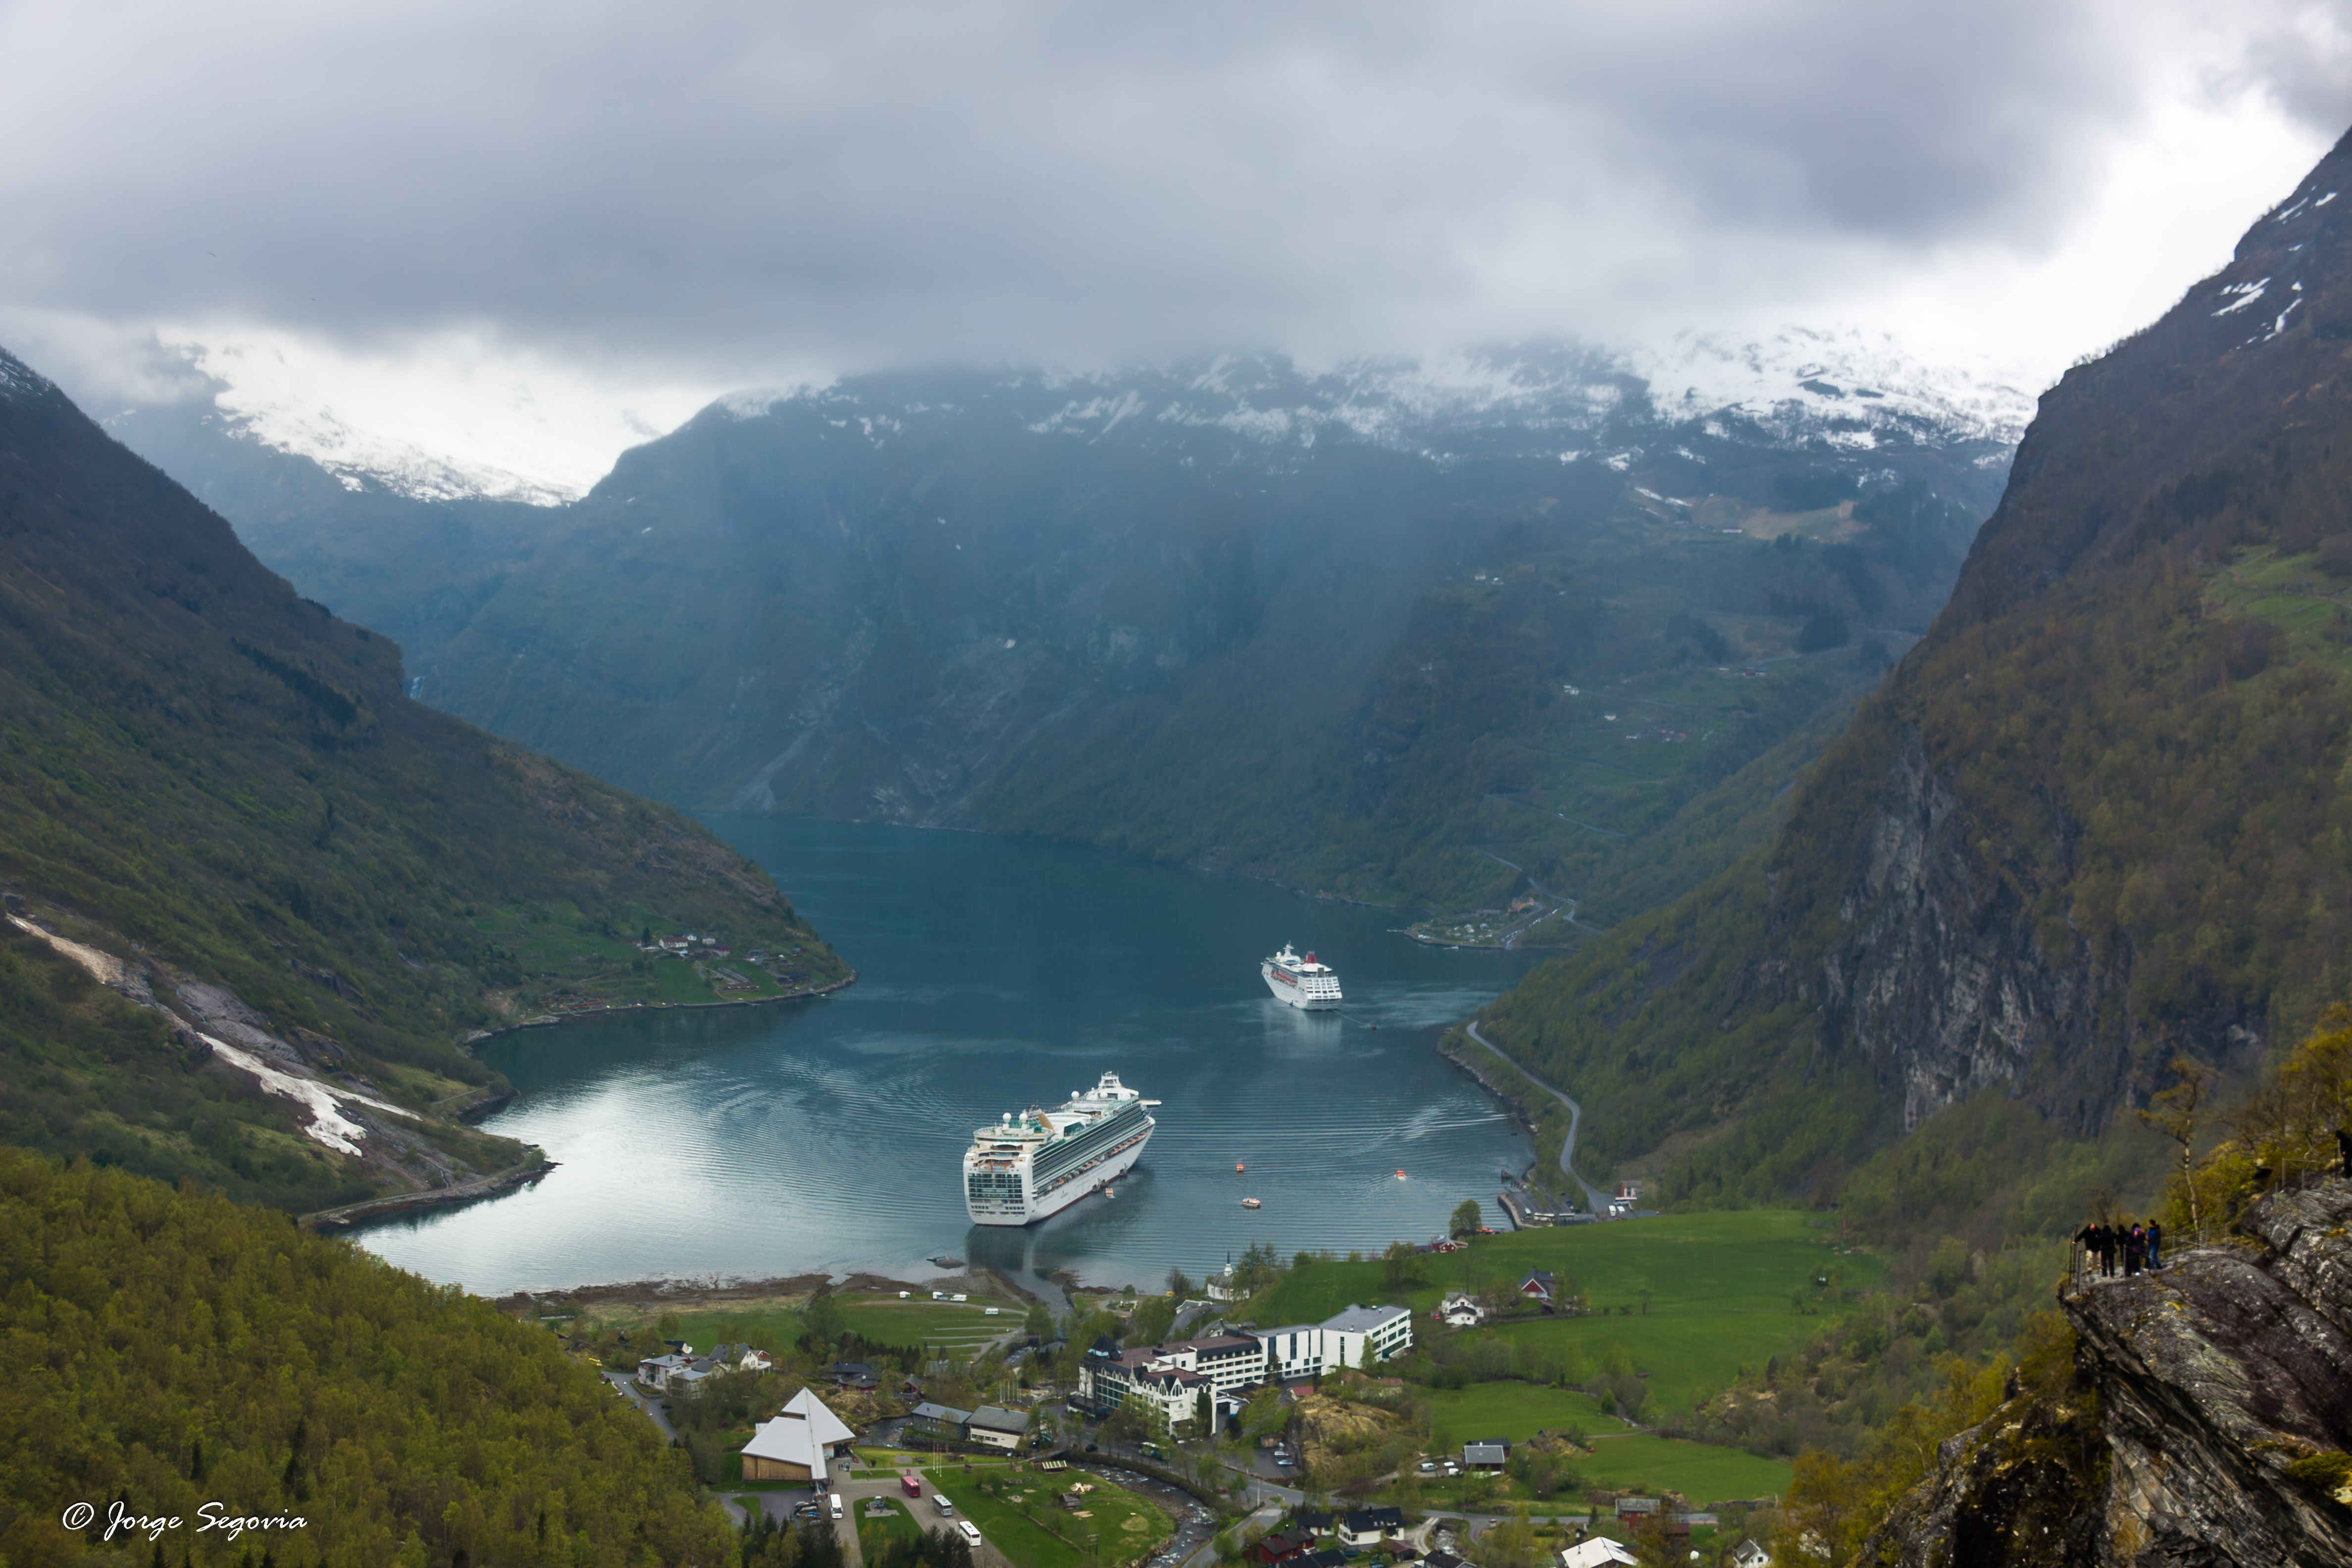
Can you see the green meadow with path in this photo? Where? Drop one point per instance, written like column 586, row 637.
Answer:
column 1692, row 1298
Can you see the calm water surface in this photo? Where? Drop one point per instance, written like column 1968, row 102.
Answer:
column 758, row 1142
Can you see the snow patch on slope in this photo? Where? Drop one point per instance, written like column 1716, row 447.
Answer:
column 453, row 419
column 1841, row 381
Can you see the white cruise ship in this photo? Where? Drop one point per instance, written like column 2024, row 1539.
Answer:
column 1041, row 1161
column 1301, row 981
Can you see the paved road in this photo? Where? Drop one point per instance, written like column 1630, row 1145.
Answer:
column 1600, row 1199
column 647, row 1403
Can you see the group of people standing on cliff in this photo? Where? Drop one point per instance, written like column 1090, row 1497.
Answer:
column 2135, row 1247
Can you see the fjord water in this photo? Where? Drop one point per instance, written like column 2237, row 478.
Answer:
column 827, row 1134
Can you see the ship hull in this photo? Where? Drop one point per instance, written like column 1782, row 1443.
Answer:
column 1292, row 994
column 1092, row 1179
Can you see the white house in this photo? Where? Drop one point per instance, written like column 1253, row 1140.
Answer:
column 1747, row 1555
column 998, row 1428
column 1461, row 1309
column 1600, row 1552
column 655, row 1372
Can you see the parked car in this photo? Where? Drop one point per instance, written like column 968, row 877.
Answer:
column 1090, row 1448
column 806, row 1511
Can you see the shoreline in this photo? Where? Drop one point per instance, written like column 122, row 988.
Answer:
column 485, row 1101
column 548, row 1020
column 490, row 1186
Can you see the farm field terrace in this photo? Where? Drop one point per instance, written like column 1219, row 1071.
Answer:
column 775, row 1324
column 564, row 961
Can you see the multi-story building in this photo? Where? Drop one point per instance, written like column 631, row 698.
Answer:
column 1172, row 1379
column 1309, row 1349
column 1388, row 1331
column 1211, row 1377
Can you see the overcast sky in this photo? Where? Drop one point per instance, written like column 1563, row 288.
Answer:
column 587, row 218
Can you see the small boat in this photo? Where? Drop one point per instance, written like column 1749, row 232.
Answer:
column 1108, row 1193
column 1400, row 1175
column 1238, row 1167
column 1252, row 1203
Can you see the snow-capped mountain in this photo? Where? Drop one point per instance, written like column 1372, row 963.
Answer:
column 1844, row 391
column 522, row 441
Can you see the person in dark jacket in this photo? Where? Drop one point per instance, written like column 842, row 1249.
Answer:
column 2156, row 1243
column 2134, row 1250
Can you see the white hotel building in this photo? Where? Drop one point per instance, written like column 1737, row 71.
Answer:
column 1211, row 1377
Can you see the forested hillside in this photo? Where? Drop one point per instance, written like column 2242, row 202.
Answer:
column 170, row 1351
column 217, row 793
column 2095, row 823
column 1317, row 627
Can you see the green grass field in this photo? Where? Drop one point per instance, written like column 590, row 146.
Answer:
column 1701, row 1471
column 1123, row 1527
column 1512, row 1411
column 1719, row 1290
column 563, row 963
column 1621, row 1459
column 872, row 1533
column 955, row 1325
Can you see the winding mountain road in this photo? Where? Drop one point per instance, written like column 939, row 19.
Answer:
column 1599, row 1199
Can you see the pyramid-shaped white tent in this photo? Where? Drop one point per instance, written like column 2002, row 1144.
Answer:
column 793, row 1447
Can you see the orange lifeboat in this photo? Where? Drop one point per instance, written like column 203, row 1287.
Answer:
column 1238, row 1167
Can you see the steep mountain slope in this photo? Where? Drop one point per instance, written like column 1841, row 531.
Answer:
column 1317, row 625
column 2098, row 818
column 288, row 881
column 197, row 1363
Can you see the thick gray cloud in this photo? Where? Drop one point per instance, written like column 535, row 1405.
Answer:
column 733, row 187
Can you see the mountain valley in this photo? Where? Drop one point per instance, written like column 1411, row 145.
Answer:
column 1362, row 631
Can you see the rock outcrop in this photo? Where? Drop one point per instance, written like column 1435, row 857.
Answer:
column 2206, row 1425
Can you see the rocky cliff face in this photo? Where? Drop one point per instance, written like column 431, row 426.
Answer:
column 2100, row 818
column 2207, row 1424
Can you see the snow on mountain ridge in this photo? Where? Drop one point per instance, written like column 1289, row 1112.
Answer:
column 515, row 432
column 1845, row 390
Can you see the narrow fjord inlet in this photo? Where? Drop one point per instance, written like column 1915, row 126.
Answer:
column 1317, row 786
column 771, row 1140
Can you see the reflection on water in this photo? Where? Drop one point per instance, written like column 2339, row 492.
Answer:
column 754, row 1142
